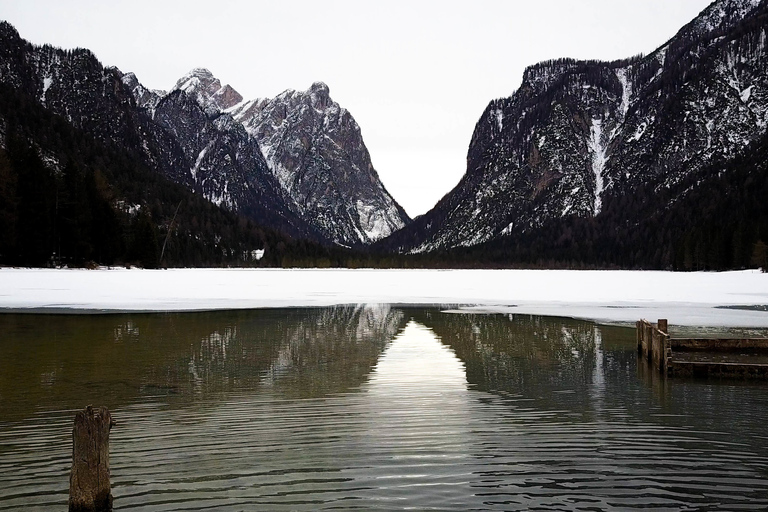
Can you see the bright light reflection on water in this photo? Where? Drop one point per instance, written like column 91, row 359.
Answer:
column 419, row 413
column 371, row 407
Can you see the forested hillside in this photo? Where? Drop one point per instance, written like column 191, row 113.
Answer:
column 68, row 199
column 718, row 224
column 648, row 162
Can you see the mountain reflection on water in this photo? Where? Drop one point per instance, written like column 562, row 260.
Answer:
column 64, row 361
column 371, row 407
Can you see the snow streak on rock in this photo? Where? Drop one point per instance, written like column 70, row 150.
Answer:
column 598, row 149
column 626, row 91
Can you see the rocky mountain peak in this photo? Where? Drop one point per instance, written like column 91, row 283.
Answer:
column 320, row 95
column 721, row 14
column 131, row 80
column 198, row 79
column 145, row 98
column 226, row 97
column 202, row 85
column 319, row 88
column 314, row 149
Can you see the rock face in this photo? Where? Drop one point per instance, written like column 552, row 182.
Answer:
column 577, row 133
column 316, row 151
column 219, row 159
column 201, row 149
column 318, row 183
column 145, row 98
column 207, row 90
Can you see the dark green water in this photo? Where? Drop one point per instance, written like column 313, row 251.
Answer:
column 371, row 407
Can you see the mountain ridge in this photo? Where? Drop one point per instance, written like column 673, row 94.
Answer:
column 582, row 151
column 578, row 133
column 315, row 149
column 189, row 135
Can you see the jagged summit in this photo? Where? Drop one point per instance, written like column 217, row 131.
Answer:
column 321, row 95
column 198, row 79
column 145, row 98
column 319, row 88
column 314, row 149
column 201, row 84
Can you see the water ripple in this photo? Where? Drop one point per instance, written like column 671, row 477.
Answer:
column 411, row 436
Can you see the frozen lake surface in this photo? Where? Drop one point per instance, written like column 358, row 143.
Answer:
column 727, row 299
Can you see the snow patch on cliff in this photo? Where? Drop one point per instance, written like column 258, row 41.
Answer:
column 626, row 91
column 598, row 149
column 199, row 160
column 47, row 81
column 377, row 222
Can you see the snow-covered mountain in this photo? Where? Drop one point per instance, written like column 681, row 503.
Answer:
column 207, row 90
column 209, row 153
column 200, row 134
column 316, row 151
column 577, row 134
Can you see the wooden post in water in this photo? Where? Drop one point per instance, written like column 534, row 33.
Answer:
column 649, row 340
column 663, row 325
column 89, row 488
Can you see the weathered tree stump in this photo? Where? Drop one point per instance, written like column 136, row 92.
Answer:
column 89, row 488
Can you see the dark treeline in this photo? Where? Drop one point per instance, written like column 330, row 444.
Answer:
column 718, row 221
column 67, row 199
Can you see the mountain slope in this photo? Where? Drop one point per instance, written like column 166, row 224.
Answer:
column 69, row 199
column 577, row 134
column 170, row 137
column 316, row 151
column 190, row 135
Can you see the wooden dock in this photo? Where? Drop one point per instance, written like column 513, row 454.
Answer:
column 745, row 358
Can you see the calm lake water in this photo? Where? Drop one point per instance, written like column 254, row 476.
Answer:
column 371, row 407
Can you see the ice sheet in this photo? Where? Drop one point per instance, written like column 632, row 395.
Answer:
column 609, row 296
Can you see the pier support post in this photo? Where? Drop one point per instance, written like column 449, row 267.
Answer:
column 663, row 325
column 649, row 340
column 89, row 487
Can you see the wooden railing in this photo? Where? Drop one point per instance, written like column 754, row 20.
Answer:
column 654, row 344
column 692, row 356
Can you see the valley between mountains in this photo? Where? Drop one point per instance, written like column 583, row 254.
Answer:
column 653, row 161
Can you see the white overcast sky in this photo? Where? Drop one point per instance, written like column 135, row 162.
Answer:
column 416, row 75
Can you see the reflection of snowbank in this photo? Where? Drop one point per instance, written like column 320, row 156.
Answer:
column 420, row 431
column 684, row 298
column 401, row 369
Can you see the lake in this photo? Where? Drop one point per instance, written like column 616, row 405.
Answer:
column 371, row 407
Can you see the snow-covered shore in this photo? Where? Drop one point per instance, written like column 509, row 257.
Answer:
column 695, row 299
